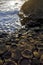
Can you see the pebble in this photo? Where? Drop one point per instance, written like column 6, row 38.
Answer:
column 22, row 47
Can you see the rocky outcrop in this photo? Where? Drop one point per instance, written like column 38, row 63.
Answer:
column 33, row 7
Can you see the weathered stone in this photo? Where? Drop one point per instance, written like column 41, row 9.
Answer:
column 33, row 8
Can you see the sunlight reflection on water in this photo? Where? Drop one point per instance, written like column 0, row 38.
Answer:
column 9, row 20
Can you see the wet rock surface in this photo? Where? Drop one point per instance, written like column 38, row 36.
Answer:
column 33, row 7
column 24, row 46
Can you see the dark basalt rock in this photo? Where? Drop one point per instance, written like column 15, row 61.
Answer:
column 6, row 55
column 27, row 53
column 10, row 63
column 28, row 50
column 33, row 7
column 41, row 59
column 1, row 62
column 35, row 61
column 33, row 11
column 24, row 61
column 16, row 55
column 3, row 34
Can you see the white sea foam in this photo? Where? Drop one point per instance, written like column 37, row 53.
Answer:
column 9, row 20
column 6, row 5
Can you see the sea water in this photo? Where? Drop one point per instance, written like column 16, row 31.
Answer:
column 9, row 19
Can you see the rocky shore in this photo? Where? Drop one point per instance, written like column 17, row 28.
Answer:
column 24, row 46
